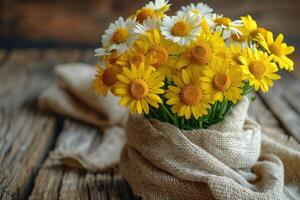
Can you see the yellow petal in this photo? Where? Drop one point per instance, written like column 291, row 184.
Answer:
column 145, row 106
column 185, row 77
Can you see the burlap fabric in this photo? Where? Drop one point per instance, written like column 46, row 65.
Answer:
column 162, row 162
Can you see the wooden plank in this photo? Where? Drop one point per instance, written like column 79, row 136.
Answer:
column 287, row 116
column 26, row 134
column 27, row 72
column 58, row 182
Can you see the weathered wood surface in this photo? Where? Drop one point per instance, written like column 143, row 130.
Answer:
column 283, row 100
column 28, row 134
column 57, row 182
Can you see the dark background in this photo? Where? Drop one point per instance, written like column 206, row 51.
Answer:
column 75, row 23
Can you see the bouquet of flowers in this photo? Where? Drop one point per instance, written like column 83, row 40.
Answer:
column 189, row 69
column 188, row 74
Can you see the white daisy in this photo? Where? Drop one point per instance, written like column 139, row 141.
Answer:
column 120, row 35
column 181, row 29
column 199, row 9
column 149, row 24
column 99, row 52
column 158, row 5
column 155, row 9
column 225, row 25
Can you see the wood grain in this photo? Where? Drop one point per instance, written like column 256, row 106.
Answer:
column 26, row 136
column 65, row 183
column 277, row 103
column 26, row 133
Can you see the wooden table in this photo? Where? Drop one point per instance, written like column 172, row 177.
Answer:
column 28, row 134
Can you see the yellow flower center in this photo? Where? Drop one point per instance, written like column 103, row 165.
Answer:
column 258, row 69
column 221, row 82
column 223, row 21
column 144, row 14
column 201, row 54
column 120, row 35
column 238, row 38
column 181, row 29
column 275, row 49
column 190, row 95
column 255, row 32
column 160, row 55
column 109, row 76
column 137, row 60
column 138, row 89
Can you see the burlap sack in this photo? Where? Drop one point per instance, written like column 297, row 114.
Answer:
column 161, row 161
column 72, row 95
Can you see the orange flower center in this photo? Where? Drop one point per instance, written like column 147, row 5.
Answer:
column 109, row 76
column 144, row 14
column 181, row 29
column 223, row 21
column 120, row 35
column 201, row 54
column 238, row 38
column 258, row 69
column 221, row 82
column 160, row 56
column 138, row 89
column 262, row 31
column 275, row 49
column 190, row 95
column 137, row 60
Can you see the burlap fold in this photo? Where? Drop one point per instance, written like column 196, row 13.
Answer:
column 161, row 161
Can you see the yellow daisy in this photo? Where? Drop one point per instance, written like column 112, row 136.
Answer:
column 139, row 87
column 157, row 51
column 222, row 79
column 278, row 49
column 111, row 58
column 249, row 30
column 259, row 69
column 136, row 56
column 233, row 53
column 202, row 51
column 105, row 79
column 187, row 97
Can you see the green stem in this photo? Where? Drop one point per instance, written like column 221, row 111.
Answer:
column 168, row 113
